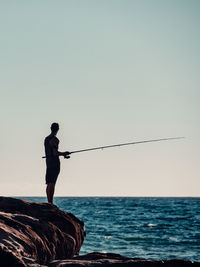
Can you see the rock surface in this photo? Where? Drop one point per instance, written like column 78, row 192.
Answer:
column 33, row 234
column 115, row 260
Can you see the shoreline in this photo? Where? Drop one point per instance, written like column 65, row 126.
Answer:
column 35, row 234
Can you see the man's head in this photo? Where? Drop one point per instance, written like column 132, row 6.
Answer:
column 54, row 127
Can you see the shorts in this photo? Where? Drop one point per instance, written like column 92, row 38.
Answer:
column 52, row 174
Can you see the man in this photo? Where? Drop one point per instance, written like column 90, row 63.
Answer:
column 52, row 154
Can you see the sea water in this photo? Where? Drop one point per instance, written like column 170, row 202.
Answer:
column 142, row 227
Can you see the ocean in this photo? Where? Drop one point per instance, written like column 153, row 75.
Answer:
column 142, row 227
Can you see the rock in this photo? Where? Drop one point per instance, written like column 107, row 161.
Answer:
column 116, row 260
column 33, row 234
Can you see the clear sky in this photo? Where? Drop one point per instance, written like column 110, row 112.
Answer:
column 109, row 71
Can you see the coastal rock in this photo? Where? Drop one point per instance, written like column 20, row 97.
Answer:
column 33, row 234
column 109, row 259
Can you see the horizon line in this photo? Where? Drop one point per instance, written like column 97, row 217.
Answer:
column 106, row 196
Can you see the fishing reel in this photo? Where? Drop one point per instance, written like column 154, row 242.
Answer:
column 66, row 156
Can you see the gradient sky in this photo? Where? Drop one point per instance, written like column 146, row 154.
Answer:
column 108, row 71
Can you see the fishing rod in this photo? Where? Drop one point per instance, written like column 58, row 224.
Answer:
column 124, row 144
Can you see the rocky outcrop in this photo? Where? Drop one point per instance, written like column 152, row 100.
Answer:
column 115, row 260
column 36, row 233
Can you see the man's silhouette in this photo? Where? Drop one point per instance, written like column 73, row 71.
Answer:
column 52, row 154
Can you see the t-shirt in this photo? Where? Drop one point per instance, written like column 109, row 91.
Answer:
column 50, row 143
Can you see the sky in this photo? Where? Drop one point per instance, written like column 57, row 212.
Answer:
column 109, row 72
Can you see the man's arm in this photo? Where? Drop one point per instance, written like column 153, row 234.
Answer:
column 54, row 145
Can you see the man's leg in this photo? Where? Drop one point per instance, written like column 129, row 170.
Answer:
column 50, row 192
